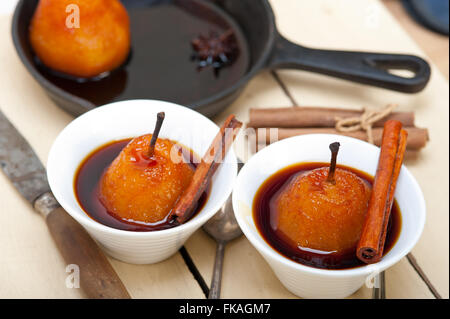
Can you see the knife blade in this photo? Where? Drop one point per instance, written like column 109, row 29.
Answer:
column 20, row 163
column 22, row 166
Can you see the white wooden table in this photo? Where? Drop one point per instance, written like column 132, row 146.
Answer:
column 31, row 267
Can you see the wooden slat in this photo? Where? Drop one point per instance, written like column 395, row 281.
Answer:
column 245, row 272
column 402, row 282
column 262, row 91
column 247, row 275
column 34, row 268
column 252, row 278
column 368, row 26
column 168, row 279
column 302, row 21
column 31, row 266
column 435, row 45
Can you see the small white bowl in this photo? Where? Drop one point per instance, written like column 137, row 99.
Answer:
column 126, row 120
column 305, row 281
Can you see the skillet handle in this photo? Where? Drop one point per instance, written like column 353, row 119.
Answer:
column 362, row 67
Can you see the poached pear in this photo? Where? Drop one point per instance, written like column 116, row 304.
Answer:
column 95, row 40
column 140, row 188
column 323, row 210
column 316, row 214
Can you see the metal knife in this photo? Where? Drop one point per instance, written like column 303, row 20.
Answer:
column 21, row 165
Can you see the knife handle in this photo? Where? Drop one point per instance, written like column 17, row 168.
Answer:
column 97, row 277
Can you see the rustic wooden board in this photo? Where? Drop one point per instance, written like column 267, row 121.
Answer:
column 302, row 22
column 30, row 266
column 369, row 26
column 434, row 44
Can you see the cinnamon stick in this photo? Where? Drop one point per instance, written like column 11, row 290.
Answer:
column 371, row 243
column 417, row 137
column 299, row 117
column 397, row 168
column 205, row 170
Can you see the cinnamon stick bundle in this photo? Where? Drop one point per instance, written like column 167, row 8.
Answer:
column 417, row 137
column 184, row 207
column 371, row 243
column 315, row 117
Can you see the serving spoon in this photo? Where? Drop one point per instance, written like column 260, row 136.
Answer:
column 379, row 290
column 223, row 228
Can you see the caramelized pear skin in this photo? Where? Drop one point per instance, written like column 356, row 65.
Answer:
column 100, row 44
column 316, row 214
column 138, row 188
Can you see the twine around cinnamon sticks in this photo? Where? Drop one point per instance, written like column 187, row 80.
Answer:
column 364, row 122
column 361, row 124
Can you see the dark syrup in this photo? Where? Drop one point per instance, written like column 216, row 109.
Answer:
column 86, row 182
column 263, row 210
column 160, row 65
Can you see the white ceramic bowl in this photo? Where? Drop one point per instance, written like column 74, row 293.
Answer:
column 125, row 120
column 305, row 281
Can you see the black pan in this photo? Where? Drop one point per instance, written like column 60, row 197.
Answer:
column 267, row 49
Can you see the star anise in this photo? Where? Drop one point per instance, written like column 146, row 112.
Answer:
column 215, row 50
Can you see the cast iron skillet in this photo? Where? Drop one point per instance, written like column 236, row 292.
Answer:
column 268, row 50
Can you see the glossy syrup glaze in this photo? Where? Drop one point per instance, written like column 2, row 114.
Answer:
column 161, row 64
column 86, row 184
column 265, row 212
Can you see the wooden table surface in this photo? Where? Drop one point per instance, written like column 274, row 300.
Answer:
column 434, row 44
column 31, row 267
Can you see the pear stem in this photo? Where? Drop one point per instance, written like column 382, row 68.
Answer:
column 334, row 148
column 159, row 120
